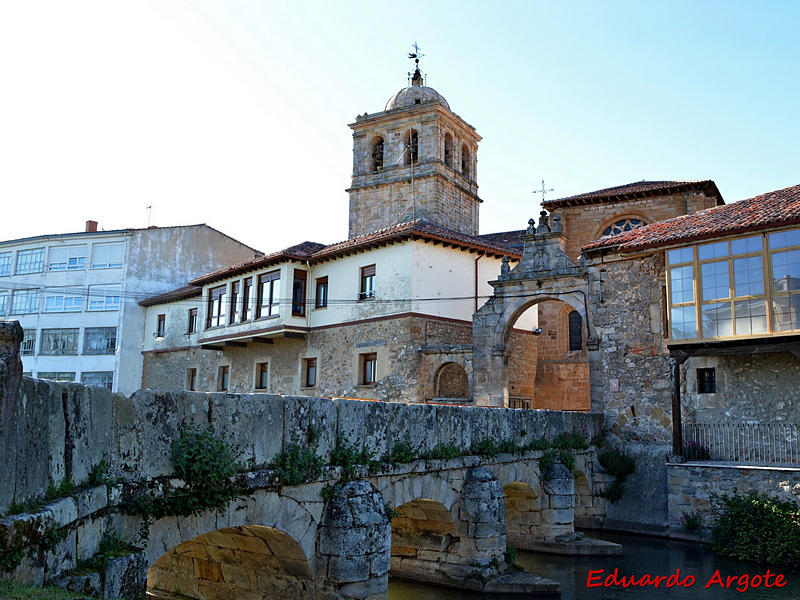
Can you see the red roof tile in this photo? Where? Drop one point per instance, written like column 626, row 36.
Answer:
column 767, row 211
column 419, row 229
column 638, row 189
column 189, row 291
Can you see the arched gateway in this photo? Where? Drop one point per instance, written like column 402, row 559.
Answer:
column 544, row 273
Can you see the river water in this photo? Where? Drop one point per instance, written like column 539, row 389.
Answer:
column 641, row 555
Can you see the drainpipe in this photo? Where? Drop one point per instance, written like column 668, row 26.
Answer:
column 677, row 433
column 477, row 258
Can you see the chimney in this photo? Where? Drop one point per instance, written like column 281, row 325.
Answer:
column 91, row 226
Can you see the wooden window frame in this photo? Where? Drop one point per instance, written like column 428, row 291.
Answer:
column 299, row 291
column 310, row 372
column 161, row 325
column 706, row 380
column 768, row 296
column 367, row 277
column 575, row 338
column 247, row 298
column 223, row 378
column 321, row 300
column 216, row 296
column 271, row 308
column 368, row 364
column 262, row 376
column 191, row 379
column 236, row 287
column 191, row 326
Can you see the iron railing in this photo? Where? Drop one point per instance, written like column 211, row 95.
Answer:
column 745, row 442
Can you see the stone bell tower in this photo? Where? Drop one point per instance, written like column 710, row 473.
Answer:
column 416, row 159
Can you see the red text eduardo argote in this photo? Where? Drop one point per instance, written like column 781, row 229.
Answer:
column 741, row 582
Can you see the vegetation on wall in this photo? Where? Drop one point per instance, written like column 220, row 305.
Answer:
column 756, row 527
column 619, row 464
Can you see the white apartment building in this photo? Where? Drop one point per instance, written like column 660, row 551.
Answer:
column 76, row 295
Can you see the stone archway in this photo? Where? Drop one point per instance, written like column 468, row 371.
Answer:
column 244, row 561
column 543, row 274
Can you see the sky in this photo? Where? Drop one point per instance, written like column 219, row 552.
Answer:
column 234, row 113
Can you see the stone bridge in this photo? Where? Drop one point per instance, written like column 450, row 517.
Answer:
column 446, row 521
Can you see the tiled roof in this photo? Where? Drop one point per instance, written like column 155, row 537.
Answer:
column 189, row 291
column 491, row 244
column 301, row 251
column 508, row 239
column 767, row 211
column 637, row 189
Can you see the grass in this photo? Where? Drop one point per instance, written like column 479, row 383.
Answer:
column 16, row 591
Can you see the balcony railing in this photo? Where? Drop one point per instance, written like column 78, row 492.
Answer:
column 519, row 402
column 742, row 442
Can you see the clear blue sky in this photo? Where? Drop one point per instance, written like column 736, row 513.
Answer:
column 235, row 113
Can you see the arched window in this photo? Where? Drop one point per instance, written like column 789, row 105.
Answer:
column 448, row 150
column 376, row 163
column 465, row 161
column 575, row 331
column 623, row 225
column 411, row 150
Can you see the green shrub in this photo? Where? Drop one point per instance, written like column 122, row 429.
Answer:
column 538, row 444
column 620, row 465
column 757, row 528
column 111, row 547
column 691, row 521
column 554, row 455
column 99, row 475
column 441, row 451
column 297, row 464
column 63, row 489
column 402, row 452
column 346, row 455
column 571, row 440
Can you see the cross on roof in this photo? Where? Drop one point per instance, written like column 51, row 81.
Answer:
column 543, row 191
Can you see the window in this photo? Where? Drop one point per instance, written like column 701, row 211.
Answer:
column 30, row 261
column 5, row 264
column 100, row 340
column 27, row 347
column 367, row 282
column 299, row 293
column 107, row 256
column 223, row 375
column 411, row 148
column 369, row 368
column 310, row 372
column 321, row 295
column 161, row 325
column 98, row 379
column 57, row 375
column 191, row 379
column 376, row 164
column 465, row 161
column 5, row 302
column 623, row 225
column 67, row 258
column 63, row 301
column 25, row 302
column 104, row 297
column 192, row 327
column 247, row 299
column 59, row 341
column 216, row 306
column 235, row 290
column 262, row 375
column 269, row 294
column 706, row 381
column 721, row 289
column 575, row 331
column 448, row 150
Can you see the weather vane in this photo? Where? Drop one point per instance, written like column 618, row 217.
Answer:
column 543, row 191
column 415, row 55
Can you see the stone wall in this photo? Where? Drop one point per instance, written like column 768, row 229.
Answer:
column 583, row 224
column 691, row 485
column 754, row 388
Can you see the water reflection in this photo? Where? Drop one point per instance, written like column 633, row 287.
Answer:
column 640, row 555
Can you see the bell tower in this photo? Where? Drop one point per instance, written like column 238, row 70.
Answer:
column 416, row 159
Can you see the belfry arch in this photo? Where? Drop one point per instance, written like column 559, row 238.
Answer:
column 544, row 273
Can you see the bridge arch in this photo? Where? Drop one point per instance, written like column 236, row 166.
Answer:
column 241, row 561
